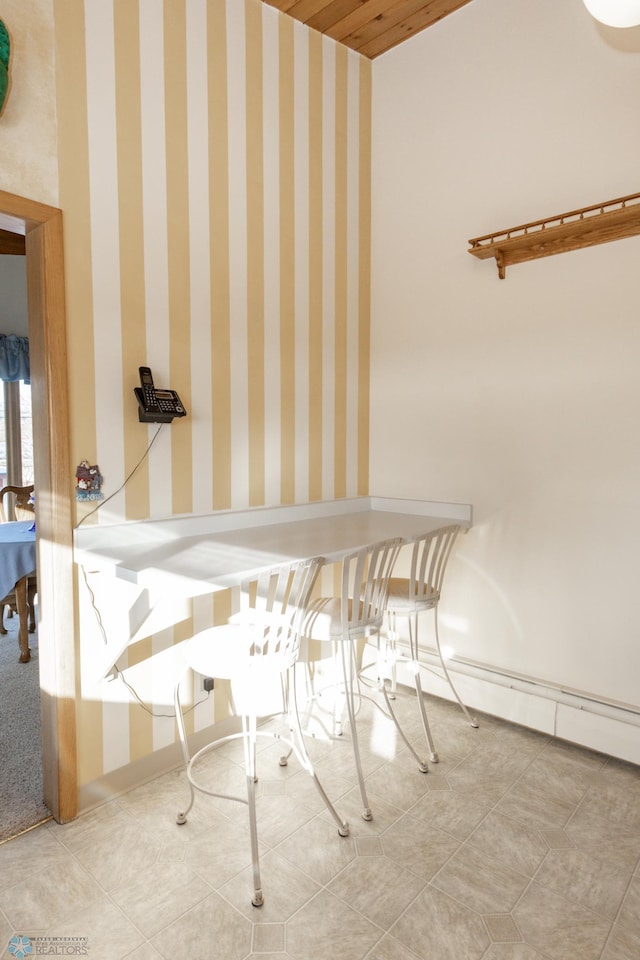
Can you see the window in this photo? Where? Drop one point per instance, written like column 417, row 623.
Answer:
column 16, row 437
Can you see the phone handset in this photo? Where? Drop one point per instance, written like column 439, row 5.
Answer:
column 156, row 406
column 148, row 390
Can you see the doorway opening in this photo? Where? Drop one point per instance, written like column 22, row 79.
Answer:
column 41, row 227
column 16, row 442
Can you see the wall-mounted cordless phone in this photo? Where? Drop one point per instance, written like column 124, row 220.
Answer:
column 156, row 406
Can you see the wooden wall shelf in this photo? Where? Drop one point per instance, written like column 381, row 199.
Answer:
column 612, row 220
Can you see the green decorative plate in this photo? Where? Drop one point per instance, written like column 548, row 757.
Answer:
column 5, row 54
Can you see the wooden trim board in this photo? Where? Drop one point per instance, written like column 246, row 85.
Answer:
column 41, row 227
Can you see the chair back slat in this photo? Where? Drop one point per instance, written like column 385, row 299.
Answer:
column 429, row 559
column 365, row 585
column 273, row 605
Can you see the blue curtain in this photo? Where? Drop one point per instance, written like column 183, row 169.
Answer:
column 14, row 358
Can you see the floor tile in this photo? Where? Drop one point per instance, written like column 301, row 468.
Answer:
column 623, row 944
column 480, row 882
column 587, row 762
column 318, row 850
column 586, row 879
column 502, row 929
column 629, row 916
column 154, row 805
column 113, row 850
column 379, row 888
column 217, row 852
column 144, row 952
column 399, row 782
column 349, row 806
column 416, row 845
column 514, row 846
column 45, row 898
column 34, row 852
column 388, row 948
column 533, row 809
column 558, row 928
column 109, row 934
column 439, row 926
column 557, row 839
column 285, row 888
column 210, row 929
column 6, row 931
column 594, row 831
column 511, row 842
column 457, row 814
column 501, row 758
column 369, row 847
column 160, row 895
column 512, row 951
column 555, row 777
column 327, row 927
column 618, row 805
column 268, row 937
column 260, row 955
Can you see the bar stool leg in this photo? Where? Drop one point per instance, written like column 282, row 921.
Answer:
column 349, row 668
column 249, row 742
column 472, row 720
column 413, row 644
column 300, row 749
column 181, row 816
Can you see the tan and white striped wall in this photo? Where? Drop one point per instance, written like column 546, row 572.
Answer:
column 214, row 175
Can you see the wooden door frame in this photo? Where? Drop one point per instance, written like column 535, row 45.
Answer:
column 41, row 226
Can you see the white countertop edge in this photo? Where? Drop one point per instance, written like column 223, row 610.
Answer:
column 456, row 512
column 222, row 521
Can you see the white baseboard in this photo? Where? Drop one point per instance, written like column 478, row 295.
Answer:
column 118, row 782
column 578, row 718
column 569, row 715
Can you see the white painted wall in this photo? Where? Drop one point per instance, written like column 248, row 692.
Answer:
column 13, row 296
column 521, row 396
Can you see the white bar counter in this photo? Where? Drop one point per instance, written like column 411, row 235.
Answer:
column 188, row 556
column 200, row 554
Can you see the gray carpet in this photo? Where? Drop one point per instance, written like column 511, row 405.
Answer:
column 21, row 804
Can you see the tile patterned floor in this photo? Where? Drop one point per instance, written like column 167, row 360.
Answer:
column 513, row 847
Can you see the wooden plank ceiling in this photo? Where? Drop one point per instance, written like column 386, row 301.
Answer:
column 369, row 26
column 11, row 243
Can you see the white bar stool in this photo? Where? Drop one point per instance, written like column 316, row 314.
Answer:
column 256, row 649
column 409, row 597
column 356, row 615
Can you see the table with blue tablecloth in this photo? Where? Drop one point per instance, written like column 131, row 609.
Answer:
column 17, row 562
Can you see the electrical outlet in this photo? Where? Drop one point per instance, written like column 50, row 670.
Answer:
column 207, row 684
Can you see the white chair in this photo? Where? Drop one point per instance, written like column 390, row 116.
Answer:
column 408, row 597
column 256, row 650
column 356, row 615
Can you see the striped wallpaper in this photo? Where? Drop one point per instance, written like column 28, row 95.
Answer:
column 214, row 164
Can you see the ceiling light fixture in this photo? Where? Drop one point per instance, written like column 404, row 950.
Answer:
column 615, row 13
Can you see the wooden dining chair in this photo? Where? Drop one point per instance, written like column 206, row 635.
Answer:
column 10, row 601
column 16, row 503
